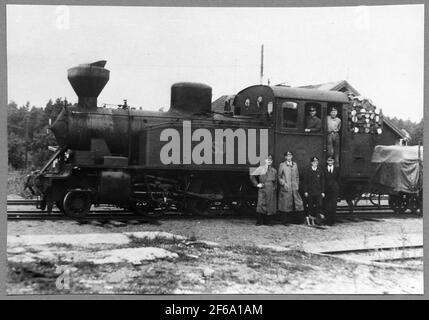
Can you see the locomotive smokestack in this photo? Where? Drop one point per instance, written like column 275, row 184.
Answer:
column 87, row 81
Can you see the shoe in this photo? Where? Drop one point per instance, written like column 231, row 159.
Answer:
column 259, row 219
column 267, row 221
column 307, row 221
column 313, row 221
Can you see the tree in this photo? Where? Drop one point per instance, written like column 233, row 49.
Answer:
column 417, row 134
column 28, row 133
column 414, row 129
column 16, row 151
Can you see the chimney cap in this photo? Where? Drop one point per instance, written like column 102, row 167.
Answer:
column 88, row 79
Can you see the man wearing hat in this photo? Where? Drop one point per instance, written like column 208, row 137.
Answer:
column 332, row 188
column 290, row 201
column 314, row 190
column 265, row 179
column 313, row 123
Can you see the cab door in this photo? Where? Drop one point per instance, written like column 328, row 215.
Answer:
column 290, row 135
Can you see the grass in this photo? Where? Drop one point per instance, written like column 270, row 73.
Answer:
column 248, row 250
column 41, row 276
column 137, row 242
column 85, row 266
column 15, row 183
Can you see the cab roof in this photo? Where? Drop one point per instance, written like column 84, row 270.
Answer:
column 305, row 94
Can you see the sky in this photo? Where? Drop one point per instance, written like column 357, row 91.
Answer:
column 377, row 49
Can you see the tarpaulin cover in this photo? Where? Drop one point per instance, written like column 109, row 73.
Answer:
column 397, row 153
column 398, row 168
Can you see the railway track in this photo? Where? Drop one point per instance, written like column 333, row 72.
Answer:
column 11, row 202
column 22, row 202
column 124, row 216
column 16, row 212
column 100, row 217
column 406, row 255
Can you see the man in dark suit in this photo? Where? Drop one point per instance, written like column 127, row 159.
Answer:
column 314, row 190
column 313, row 122
column 332, row 189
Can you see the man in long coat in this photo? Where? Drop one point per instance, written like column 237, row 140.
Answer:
column 332, row 188
column 289, row 199
column 265, row 179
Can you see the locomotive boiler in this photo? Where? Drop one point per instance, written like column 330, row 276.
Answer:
column 190, row 158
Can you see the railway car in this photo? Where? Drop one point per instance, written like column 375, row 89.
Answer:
column 398, row 172
column 191, row 158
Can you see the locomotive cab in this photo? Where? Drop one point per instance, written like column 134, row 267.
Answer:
column 286, row 111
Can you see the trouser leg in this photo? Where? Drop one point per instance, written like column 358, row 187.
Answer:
column 285, row 217
column 308, row 206
column 312, row 205
column 315, row 205
column 258, row 218
column 327, row 208
column 266, row 219
column 331, row 206
column 289, row 216
column 334, row 212
column 318, row 209
column 336, row 147
column 330, row 146
column 334, row 208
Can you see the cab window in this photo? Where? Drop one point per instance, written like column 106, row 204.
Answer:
column 289, row 114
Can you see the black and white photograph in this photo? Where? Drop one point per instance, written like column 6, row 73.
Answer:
column 192, row 150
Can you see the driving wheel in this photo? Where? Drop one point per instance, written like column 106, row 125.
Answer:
column 76, row 204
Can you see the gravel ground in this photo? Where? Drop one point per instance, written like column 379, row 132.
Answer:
column 237, row 231
column 246, row 259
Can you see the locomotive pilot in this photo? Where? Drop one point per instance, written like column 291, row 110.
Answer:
column 265, row 179
column 314, row 190
column 333, row 126
column 313, row 123
column 332, row 174
column 290, row 201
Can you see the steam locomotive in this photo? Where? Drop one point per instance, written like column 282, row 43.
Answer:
column 191, row 158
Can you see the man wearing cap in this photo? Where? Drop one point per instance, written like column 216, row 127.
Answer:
column 313, row 123
column 332, row 188
column 290, row 201
column 314, row 190
column 265, row 179
column 333, row 126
